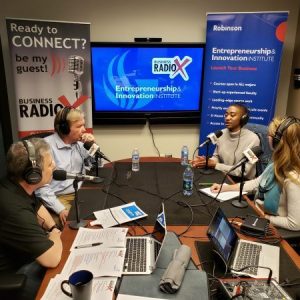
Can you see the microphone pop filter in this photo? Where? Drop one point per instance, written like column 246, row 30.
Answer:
column 59, row 175
column 87, row 145
column 219, row 133
column 257, row 150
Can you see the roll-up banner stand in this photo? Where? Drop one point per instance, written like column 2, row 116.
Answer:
column 242, row 64
column 51, row 69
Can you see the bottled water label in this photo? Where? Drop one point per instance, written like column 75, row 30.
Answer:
column 135, row 157
column 187, row 185
column 135, row 161
column 188, row 177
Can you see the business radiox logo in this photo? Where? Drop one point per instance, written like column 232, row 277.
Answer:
column 128, row 87
column 173, row 66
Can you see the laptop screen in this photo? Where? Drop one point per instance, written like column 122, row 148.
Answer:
column 160, row 226
column 222, row 235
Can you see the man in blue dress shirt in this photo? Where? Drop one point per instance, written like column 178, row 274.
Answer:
column 69, row 155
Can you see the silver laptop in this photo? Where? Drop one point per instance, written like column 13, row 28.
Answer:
column 238, row 253
column 142, row 252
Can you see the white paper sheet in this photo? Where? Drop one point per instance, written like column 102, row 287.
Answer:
column 223, row 196
column 110, row 237
column 100, row 261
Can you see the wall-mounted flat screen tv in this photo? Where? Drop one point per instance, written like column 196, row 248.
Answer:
column 133, row 82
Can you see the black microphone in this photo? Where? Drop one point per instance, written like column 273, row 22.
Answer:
column 61, row 175
column 212, row 138
column 250, row 155
column 94, row 149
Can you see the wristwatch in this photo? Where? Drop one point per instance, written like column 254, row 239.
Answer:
column 54, row 226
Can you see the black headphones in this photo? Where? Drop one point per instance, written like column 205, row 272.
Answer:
column 281, row 128
column 61, row 123
column 245, row 117
column 32, row 173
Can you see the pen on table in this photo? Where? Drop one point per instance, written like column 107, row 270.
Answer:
column 88, row 245
column 205, row 183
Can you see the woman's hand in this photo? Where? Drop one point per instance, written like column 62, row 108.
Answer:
column 200, row 162
column 215, row 188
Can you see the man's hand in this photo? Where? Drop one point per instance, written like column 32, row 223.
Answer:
column 63, row 216
column 87, row 137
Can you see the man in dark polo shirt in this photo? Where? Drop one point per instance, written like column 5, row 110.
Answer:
column 29, row 239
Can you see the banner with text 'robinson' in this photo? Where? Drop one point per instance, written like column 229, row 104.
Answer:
column 51, row 69
column 242, row 64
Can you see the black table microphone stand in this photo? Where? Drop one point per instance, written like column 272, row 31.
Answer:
column 241, row 203
column 206, row 169
column 96, row 166
column 97, row 156
column 78, row 223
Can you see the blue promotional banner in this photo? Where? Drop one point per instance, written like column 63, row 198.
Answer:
column 242, row 65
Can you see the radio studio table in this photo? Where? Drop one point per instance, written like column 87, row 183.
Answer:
column 159, row 179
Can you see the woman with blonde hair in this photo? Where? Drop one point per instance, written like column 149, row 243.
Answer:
column 278, row 187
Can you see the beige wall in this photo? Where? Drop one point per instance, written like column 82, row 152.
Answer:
column 294, row 94
column 174, row 21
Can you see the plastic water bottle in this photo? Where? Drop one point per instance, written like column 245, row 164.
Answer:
column 185, row 156
column 188, row 178
column 135, row 160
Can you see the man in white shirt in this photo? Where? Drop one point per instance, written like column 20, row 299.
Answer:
column 69, row 155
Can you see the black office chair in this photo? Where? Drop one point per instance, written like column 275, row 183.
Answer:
column 11, row 284
column 266, row 157
column 292, row 237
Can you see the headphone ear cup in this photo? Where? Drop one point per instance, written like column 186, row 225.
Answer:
column 281, row 128
column 244, row 120
column 64, row 127
column 32, row 175
column 63, row 124
column 275, row 141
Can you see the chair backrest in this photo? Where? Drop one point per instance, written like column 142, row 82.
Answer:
column 42, row 134
column 266, row 157
column 11, row 285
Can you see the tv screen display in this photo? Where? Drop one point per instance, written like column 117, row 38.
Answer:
column 139, row 81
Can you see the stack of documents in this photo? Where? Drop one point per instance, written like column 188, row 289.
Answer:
column 100, row 251
column 102, row 288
